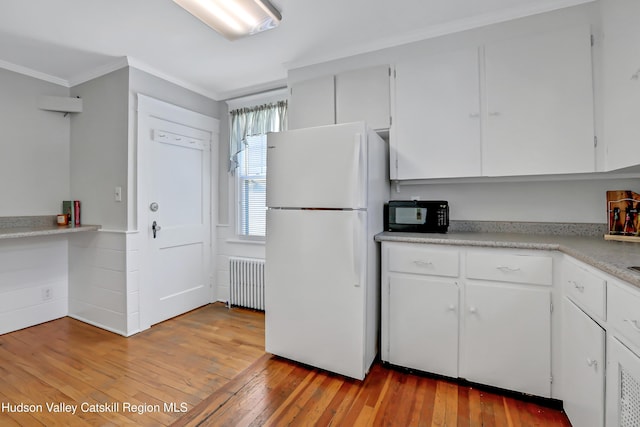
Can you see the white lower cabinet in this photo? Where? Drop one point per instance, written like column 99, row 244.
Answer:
column 506, row 337
column 485, row 315
column 623, row 385
column 623, row 355
column 423, row 333
column 501, row 338
column 583, row 367
column 420, row 298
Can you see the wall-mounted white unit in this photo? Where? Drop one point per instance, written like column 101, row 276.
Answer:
column 63, row 104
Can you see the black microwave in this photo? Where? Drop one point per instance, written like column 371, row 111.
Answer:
column 417, row 216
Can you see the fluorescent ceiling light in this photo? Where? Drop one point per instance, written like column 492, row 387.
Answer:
column 234, row 18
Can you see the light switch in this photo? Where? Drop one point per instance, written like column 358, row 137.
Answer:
column 118, row 194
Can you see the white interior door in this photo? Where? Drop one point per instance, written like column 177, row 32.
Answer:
column 178, row 218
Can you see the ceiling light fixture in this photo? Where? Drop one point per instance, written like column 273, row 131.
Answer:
column 234, row 18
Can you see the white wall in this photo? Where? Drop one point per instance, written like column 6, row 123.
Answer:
column 34, row 148
column 34, row 179
column 569, row 201
column 99, row 150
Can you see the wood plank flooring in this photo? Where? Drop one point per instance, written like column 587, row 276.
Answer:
column 211, row 363
column 277, row 392
column 181, row 361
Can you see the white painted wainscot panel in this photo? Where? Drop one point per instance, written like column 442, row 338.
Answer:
column 33, row 281
column 103, row 280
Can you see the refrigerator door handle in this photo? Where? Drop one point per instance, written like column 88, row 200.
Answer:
column 355, row 245
column 357, row 169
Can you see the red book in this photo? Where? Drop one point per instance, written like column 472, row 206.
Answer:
column 76, row 211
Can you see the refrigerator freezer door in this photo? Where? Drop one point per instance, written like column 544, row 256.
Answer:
column 315, row 291
column 322, row 167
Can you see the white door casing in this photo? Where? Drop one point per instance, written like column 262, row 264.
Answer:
column 177, row 171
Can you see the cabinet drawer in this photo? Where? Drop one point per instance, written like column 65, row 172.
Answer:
column 424, row 260
column 586, row 289
column 624, row 313
column 532, row 269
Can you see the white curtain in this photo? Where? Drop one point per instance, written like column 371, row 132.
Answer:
column 254, row 121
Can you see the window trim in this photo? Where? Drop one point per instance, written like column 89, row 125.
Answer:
column 233, row 199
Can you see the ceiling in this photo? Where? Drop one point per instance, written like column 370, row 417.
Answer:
column 71, row 41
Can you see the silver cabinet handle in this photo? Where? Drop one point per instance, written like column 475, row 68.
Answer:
column 507, row 269
column 420, row 263
column 576, row 285
column 635, row 324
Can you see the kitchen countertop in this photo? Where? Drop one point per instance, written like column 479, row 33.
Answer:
column 19, row 232
column 612, row 257
column 16, row 227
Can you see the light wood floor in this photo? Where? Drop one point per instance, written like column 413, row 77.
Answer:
column 211, row 362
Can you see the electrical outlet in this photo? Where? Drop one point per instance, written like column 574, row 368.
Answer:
column 47, row 294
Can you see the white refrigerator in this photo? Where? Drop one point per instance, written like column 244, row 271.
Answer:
column 326, row 187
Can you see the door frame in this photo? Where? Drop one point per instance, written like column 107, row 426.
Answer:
column 147, row 108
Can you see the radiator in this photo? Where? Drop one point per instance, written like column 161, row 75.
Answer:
column 246, row 283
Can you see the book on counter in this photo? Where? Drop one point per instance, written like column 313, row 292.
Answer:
column 72, row 209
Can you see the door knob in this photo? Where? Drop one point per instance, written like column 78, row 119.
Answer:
column 155, row 227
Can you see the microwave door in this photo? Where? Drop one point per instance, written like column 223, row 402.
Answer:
column 411, row 215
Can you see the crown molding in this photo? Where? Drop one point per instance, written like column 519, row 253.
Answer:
column 135, row 63
column 33, row 73
column 441, row 30
column 99, row 71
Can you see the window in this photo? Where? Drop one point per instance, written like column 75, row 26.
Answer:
column 252, row 186
column 248, row 161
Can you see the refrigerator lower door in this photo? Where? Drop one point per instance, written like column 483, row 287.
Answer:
column 315, row 294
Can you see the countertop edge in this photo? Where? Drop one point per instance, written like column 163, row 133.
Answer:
column 17, row 233
column 593, row 257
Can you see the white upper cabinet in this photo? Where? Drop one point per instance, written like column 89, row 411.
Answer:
column 312, row 103
column 436, row 129
column 621, row 88
column 539, row 105
column 521, row 106
column 364, row 95
column 358, row 95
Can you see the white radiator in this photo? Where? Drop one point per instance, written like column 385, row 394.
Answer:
column 246, row 283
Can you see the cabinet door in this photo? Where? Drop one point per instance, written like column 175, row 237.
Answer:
column 423, row 324
column 583, row 342
column 312, row 103
column 621, row 72
column 623, row 385
column 506, row 337
column 363, row 95
column 436, row 117
column 539, row 105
